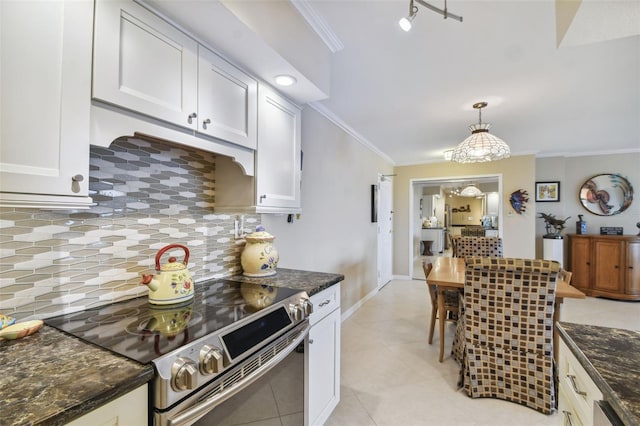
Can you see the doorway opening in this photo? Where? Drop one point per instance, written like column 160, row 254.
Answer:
column 439, row 211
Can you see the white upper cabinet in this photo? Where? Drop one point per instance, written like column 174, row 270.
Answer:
column 278, row 159
column 45, row 101
column 227, row 100
column 144, row 64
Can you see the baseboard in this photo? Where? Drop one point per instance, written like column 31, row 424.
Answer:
column 346, row 314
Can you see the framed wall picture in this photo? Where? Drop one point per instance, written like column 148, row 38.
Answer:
column 547, row 191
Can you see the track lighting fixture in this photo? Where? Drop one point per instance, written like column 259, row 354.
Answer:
column 405, row 23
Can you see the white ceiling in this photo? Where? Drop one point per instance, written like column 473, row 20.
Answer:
column 409, row 95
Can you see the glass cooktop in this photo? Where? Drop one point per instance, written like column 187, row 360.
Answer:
column 143, row 332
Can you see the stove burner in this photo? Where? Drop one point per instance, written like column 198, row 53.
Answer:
column 165, row 321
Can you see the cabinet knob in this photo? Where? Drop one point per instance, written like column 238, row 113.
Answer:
column 205, row 122
column 616, row 266
column 262, row 197
column 191, row 117
column 75, row 183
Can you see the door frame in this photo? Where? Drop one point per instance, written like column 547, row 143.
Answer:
column 384, row 252
column 445, row 179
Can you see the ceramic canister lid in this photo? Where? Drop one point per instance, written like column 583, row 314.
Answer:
column 260, row 235
column 172, row 265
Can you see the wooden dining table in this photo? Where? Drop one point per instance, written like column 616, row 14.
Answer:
column 448, row 273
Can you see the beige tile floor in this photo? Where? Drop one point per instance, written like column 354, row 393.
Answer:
column 391, row 375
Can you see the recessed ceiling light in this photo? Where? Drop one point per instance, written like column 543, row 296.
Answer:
column 285, row 80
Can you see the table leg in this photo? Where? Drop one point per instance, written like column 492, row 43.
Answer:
column 442, row 318
column 556, row 318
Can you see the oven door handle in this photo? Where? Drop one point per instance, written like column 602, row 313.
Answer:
column 192, row 414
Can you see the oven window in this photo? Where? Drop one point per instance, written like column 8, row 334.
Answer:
column 252, row 334
column 275, row 398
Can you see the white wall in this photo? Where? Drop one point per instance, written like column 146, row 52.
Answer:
column 334, row 232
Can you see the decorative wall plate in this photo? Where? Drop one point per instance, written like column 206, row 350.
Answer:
column 606, row 194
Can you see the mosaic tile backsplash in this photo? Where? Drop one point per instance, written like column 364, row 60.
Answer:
column 148, row 195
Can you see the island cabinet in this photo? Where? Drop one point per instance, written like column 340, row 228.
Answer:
column 577, row 392
column 322, row 363
column 606, row 265
column 46, row 86
column 148, row 66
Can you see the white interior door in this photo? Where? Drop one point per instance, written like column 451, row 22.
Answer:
column 385, row 230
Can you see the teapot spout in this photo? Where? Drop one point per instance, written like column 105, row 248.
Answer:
column 147, row 279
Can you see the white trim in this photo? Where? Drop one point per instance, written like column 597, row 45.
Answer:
column 349, row 130
column 352, row 310
column 589, row 154
column 319, row 25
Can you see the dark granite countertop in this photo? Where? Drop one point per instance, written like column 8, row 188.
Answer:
column 311, row 282
column 51, row 378
column 611, row 357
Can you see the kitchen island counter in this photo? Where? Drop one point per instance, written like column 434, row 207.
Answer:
column 311, row 282
column 611, row 357
column 51, row 378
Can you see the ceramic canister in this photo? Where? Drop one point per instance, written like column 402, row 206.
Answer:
column 259, row 257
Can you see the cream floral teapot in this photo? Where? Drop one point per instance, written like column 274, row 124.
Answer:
column 173, row 282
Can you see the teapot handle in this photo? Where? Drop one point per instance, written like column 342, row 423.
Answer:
column 185, row 262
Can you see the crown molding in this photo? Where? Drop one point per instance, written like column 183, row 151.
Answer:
column 327, row 113
column 319, row 25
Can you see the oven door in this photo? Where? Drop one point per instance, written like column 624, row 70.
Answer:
column 267, row 385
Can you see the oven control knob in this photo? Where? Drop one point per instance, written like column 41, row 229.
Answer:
column 296, row 312
column 307, row 306
column 210, row 360
column 184, row 373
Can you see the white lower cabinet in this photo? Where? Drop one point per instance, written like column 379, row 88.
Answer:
column 322, row 363
column 129, row 409
column 577, row 391
column 46, row 88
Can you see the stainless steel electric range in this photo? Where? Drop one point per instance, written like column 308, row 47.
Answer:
column 203, row 351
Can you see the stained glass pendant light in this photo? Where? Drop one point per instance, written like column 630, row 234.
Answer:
column 481, row 146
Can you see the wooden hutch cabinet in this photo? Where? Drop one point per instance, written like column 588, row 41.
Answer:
column 606, row 265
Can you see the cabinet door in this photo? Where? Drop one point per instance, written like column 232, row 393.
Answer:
column 144, row 64
column 129, row 409
column 323, row 380
column 633, row 268
column 46, row 83
column 580, row 262
column 608, row 272
column 278, row 157
column 227, row 100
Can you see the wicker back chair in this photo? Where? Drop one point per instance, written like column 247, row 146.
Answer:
column 508, row 330
column 478, row 246
column 451, row 304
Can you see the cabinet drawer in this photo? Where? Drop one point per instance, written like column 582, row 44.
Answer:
column 578, row 388
column 324, row 303
column 570, row 415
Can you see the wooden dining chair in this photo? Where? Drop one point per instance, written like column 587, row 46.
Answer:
column 508, row 330
column 565, row 276
column 451, row 304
